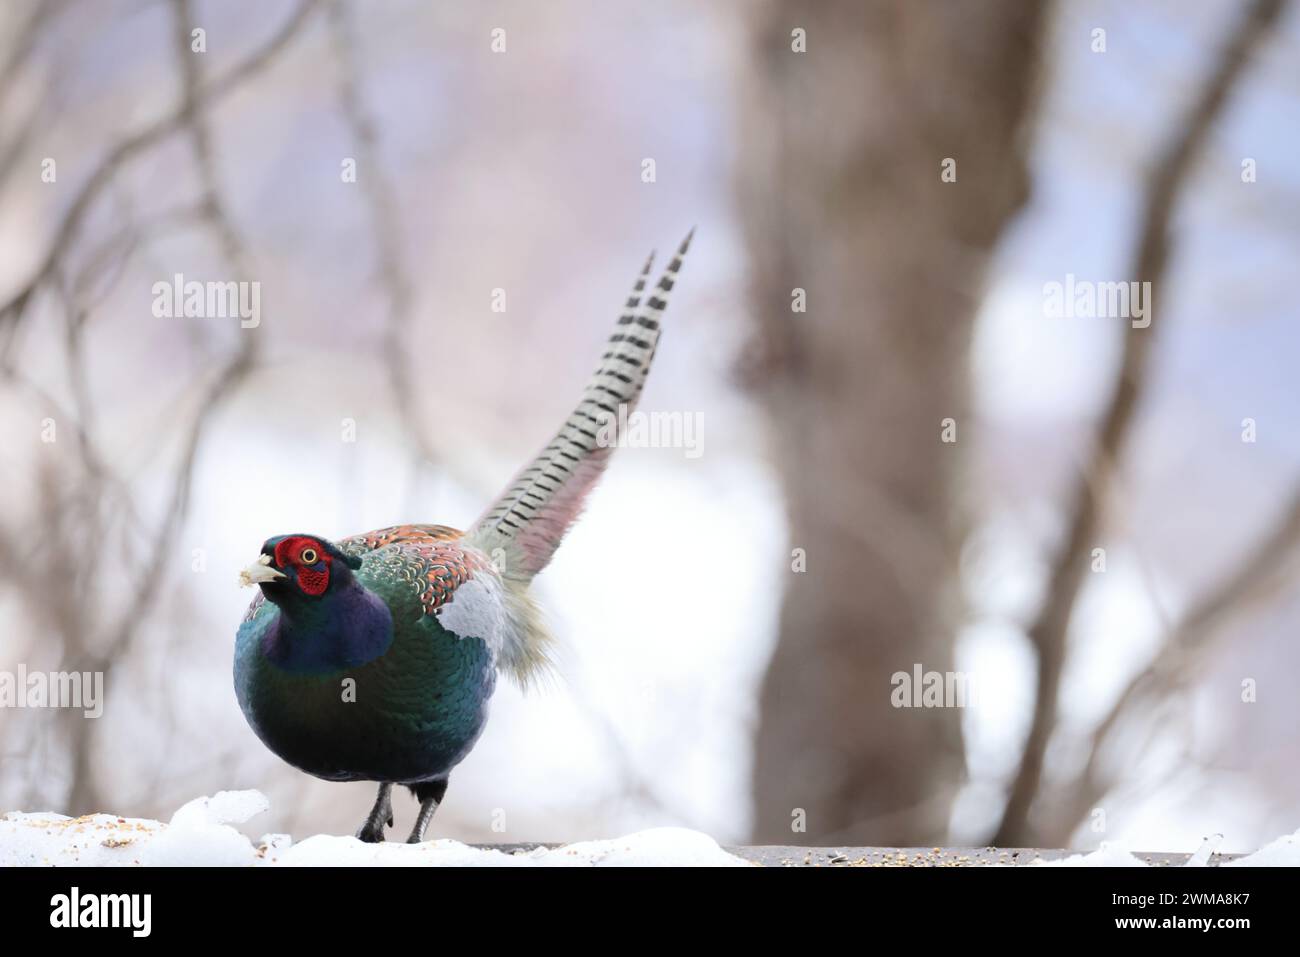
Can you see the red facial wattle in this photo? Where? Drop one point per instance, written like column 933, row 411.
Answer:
column 313, row 577
column 314, row 582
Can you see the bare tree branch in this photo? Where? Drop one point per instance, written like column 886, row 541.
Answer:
column 379, row 193
column 39, row 16
column 194, row 120
column 128, row 149
column 1259, row 573
column 1165, row 183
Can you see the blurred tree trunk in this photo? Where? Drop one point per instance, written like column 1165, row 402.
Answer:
column 840, row 179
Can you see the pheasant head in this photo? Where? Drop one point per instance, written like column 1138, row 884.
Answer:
column 300, row 568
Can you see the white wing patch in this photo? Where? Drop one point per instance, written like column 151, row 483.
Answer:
column 477, row 610
column 503, row 615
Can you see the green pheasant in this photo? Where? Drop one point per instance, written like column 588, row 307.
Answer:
column 373, row 658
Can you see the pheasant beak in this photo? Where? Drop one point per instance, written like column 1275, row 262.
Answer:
column 260, row 571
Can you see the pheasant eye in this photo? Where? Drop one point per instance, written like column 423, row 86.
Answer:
column 308, row 556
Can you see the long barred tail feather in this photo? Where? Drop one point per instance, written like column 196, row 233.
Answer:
column 526, row 524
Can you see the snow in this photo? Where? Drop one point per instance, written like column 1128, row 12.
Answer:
column 1284, row 852
column 1108, row 855
column 201, row 833
column 658, row 847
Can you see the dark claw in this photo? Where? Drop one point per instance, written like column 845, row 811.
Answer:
column 372, row 832
column 369, row 833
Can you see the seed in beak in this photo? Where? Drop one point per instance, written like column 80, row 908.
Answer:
column 260, row 571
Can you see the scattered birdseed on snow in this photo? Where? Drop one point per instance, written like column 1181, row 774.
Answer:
column 201, row 834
